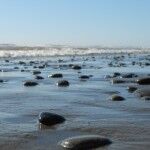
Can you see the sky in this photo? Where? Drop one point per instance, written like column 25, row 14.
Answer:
column 75, row 22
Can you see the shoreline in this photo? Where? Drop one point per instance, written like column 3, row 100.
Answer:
column 87, row 104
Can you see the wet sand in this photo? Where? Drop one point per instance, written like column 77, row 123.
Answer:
column 85, row 104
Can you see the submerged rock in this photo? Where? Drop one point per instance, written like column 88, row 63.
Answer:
column 50, row 119
column 144, row 81
column 56, row 75
column 63, row 83
column 84, row 142
column 117, row 98
column 30, row 83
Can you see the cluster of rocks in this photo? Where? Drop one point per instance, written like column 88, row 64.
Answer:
column 141, row 85
column 51, row 119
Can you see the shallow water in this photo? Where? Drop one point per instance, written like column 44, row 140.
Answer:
column 85, row 104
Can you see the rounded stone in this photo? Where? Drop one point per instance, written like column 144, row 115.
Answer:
column 50, row 119
column 84, row 142
column 1, row 81
column 39, row 78
column 22, row 63
column 30, row 83
column 63, row 83
column 76, row 67
column 144, row 81
column 41, row 67
column 147, row 98
column 143, row 92
column 116, row 74
column 129, row 75
column 131, row 88
column 56, row 75
column 84, row 77
column 117, row 81
column 16, row 67
column 117, row 98
column 36, row 72
column 7, row 60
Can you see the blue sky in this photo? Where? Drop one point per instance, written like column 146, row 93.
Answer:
column 75, row 22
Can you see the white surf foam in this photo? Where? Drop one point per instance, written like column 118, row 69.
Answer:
column 65, row 51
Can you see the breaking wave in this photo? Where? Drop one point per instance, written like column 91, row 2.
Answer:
column 64, row 52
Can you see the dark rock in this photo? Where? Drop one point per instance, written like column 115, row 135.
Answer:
column 22, row 63
column 7, row 60
column 131, row 88
column 144, row 81
column 147, row 64
column 71, row 65
column 107, row 76
column 133, row 63
column 39, row 77
column 84, row 77
column 50, row 119
column 22, row 70
column 116, row 74
column 143, row 92
column 63, row 83
column 117, row 81
column 16, row 67
column 41, row 67
column 76, row 67
column 30, row 83
column 32, row 62
column 117, row 98
column 85, row 142
column 129, row 75
column 34, row 66
column 1, row 81
column 56, row 75
column 60, row 60
column 36, row 72
column 147, row 98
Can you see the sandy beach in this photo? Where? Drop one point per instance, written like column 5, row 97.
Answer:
column 86, row 104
